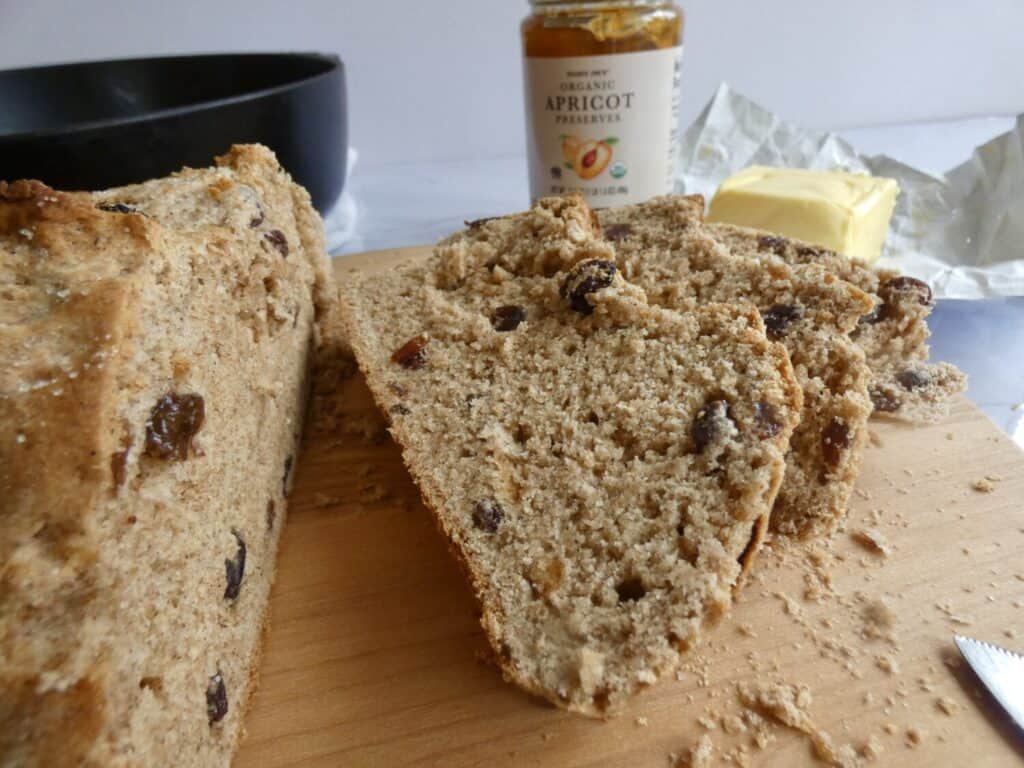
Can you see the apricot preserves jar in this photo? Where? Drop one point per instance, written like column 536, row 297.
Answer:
column 602, row 98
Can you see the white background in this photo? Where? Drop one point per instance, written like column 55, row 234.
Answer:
column 440, row 79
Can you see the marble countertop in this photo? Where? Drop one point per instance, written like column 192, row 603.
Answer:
column 411, row 204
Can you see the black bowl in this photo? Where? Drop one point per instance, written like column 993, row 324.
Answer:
column 107, row 123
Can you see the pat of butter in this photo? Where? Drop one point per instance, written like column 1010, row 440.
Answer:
column 846, row 212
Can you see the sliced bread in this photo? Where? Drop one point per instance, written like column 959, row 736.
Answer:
column 894, row 334
column 602, row 468
column 661, row 247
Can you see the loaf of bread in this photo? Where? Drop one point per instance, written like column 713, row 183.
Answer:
column 603, row 468
column 154, row 346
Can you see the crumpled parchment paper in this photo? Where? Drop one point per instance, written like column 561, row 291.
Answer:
column 963, row 232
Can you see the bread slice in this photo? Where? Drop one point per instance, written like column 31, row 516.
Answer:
column 894, row 335
column 661, row 247
column 602, row 468
column 154, row 344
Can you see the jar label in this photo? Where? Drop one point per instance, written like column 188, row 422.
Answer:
column 604, row 126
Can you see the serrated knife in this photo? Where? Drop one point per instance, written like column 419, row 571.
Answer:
column 1001, row 671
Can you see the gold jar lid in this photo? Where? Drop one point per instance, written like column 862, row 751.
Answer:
column 652, row 23
column 597, row 4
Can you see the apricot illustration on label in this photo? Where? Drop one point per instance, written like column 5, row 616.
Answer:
column 587, row 157
column 569, row 146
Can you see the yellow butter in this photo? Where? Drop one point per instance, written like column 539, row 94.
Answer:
column 846, row 212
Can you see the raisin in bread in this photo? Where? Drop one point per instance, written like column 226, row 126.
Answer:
column 894, row 335
column 602, row 468
column 154, row 344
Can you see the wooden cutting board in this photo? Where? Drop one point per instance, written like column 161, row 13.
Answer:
column 374, row 656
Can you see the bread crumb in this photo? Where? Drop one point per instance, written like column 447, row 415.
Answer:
column 879, row 618
column 872, row 539
column 733, row 725
column 876, row 439
column 321, row 500
column 947, row 609
column 986, row 484
column 949, row 435
column 739, row 757
column 642, row 722
column 787, row 704
column 790, row 605
column 843, row 756
column 914, row 736
column 947, row 705
column 872, row 749
column 784, row 703
column 813, row 593
column 888, row 664
column 925, row 684
column 890, row 728
column 699, row 756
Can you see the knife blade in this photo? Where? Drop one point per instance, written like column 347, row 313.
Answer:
column 1001, row 671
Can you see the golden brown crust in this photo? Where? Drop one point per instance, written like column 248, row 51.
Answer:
column 33, row 206
column 749, row 555
column 55, row 453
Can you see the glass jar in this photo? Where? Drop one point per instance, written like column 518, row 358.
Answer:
column 602, row 98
